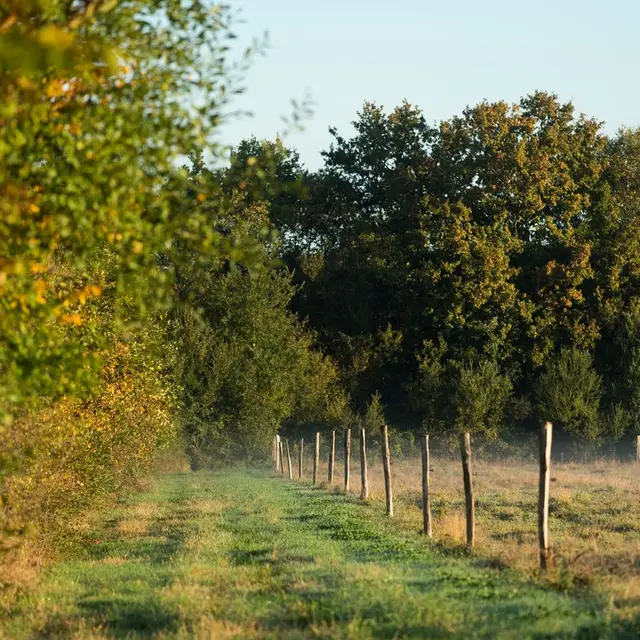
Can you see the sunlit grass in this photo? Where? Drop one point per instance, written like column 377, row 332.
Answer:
column 594, row 517
column 248, row 555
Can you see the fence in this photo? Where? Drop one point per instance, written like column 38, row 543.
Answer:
column 467, row 473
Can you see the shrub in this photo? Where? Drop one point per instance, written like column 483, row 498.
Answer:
column 248, row 366
column 480, row 397
column 570, row 392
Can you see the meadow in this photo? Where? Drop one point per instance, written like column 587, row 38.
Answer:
column 594, row 516
column 248, row 554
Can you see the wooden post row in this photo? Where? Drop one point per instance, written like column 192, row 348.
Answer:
column 426, row 497
column 465, row 450
column 543, row 501
column 300, row 452
column 289, row 461
column 386, row 464
column 332, row 457
column 316, row 458
column 364, row 491
column 347, row 458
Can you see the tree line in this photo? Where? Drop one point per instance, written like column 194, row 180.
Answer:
column 481, row 273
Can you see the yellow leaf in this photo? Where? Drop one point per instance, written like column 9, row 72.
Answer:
column 72, row 318
column 55, row 89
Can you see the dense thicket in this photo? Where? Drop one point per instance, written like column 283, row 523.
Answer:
column 481, row 273
column 137, row 305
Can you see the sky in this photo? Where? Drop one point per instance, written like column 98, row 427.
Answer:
column 440, row 55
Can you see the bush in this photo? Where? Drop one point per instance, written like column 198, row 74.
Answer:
column 373, row 417
column 569, row 392
column 74, row 450
column 480, row 396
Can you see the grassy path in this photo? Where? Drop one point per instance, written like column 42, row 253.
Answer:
column 244, row 555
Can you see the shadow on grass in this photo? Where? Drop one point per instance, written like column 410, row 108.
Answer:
column 255, row 557
column 121, row 599
column 115, row 617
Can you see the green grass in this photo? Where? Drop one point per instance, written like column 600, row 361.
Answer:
column 242, row 554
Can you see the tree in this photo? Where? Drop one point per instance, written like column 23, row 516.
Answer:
column 479, row 234
column 480, row 397
column 248, row 367
column 570, row 393
column 94, row 116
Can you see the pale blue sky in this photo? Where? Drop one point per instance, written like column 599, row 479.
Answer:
column 439, row 55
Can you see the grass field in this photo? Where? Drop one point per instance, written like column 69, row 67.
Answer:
column 594, row 517
column 243, row 554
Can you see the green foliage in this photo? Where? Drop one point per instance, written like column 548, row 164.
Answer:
column 503, row 234
column 618, row 421
column 632, row 385
column 99, row 101
column 570, row 390
column 480, row 397
column 373, row 417
column 69, row 452
column 102, row 238
column 249, row 365
column 427, row 389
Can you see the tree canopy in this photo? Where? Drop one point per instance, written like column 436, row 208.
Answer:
column 500, row 236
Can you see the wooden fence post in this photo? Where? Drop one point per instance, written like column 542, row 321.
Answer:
column 543, row 502
column 426, row 497
column 465, row 450
column 316, row 458
column 638, row 449
column 277, row 451
column 347, row 458
column 332, row 457
column 289, row 461
column 281, row 456
column 386, row 464
column 300, row 452
column 364, row 491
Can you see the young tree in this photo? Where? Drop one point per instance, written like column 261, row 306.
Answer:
column 480, row 397
column 569, row 392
